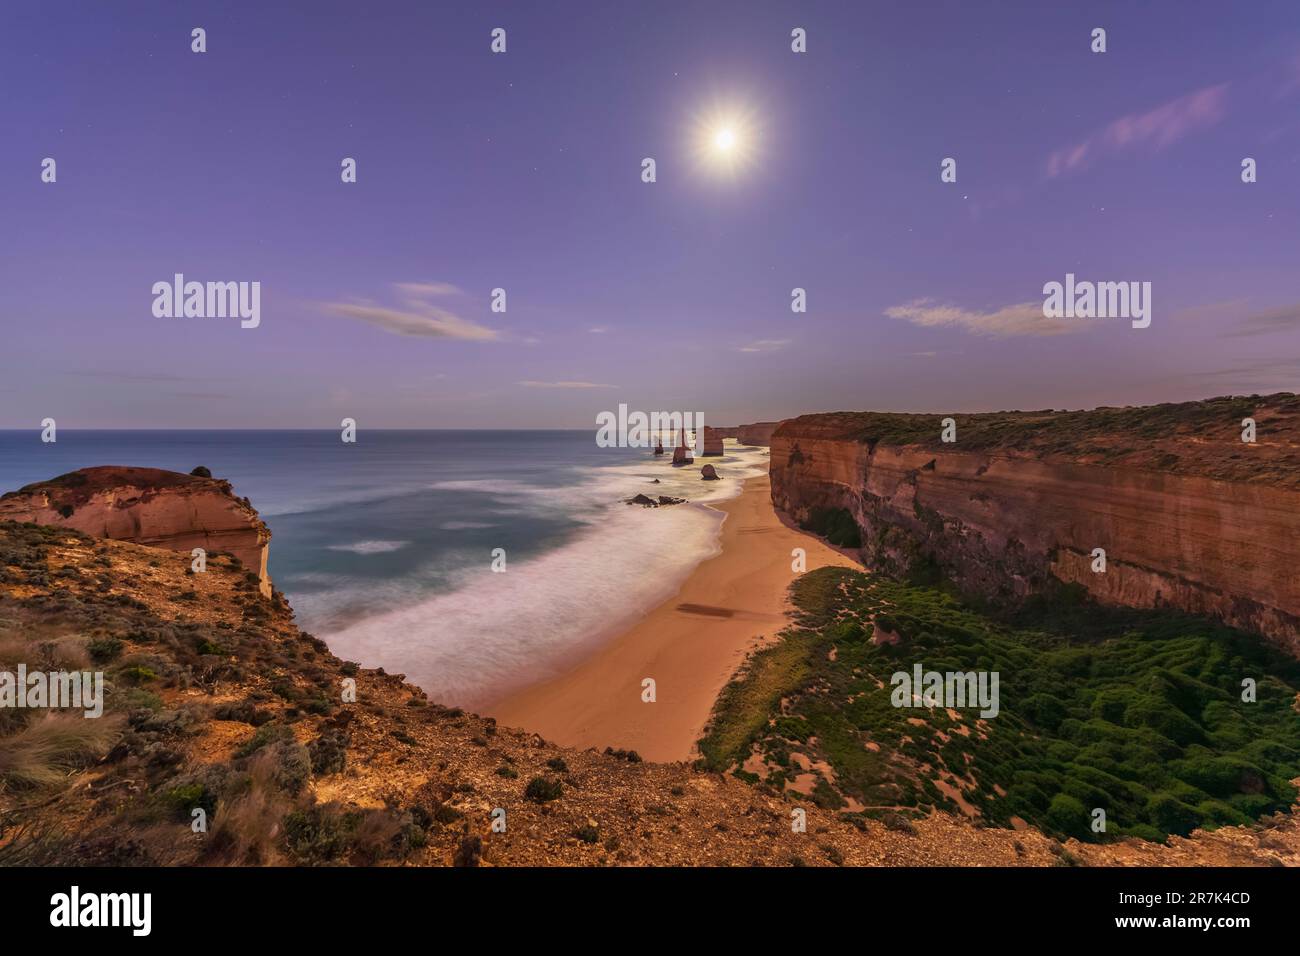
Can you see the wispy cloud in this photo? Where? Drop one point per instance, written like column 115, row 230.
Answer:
column 765, row 345
column 1284, row 318
column 428, row 288
column 1260, row 374
column 1155, row 129
column 1024, row 318
column 417, row 315
column 564, row 385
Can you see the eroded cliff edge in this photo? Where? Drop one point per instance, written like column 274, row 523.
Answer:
column 217, row 701
column 1189, row 515
column 149, row 506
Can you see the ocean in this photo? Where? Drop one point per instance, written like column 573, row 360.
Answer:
column 385, row 547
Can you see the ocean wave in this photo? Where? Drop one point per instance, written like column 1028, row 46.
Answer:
column 498, row 632
column 468, row 636
column 369, row 547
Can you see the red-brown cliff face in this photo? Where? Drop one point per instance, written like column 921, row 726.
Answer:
column 713, row 439
column 1188, row 514
column 148, row 506
column 758, row 433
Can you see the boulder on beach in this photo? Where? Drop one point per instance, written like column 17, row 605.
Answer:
column 643, row 500
column 709, row 473
column 669, row 500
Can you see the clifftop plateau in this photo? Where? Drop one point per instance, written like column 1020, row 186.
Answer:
column 149, row 506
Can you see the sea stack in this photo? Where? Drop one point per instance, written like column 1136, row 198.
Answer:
column 708, row 473
column 712, row 441
column 659, row 446
column 682, row 453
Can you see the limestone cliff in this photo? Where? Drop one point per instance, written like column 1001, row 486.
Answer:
column 149, row 506
column 1188, row 514
column 759, row 433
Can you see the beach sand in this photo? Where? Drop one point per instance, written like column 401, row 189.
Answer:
column 690, row 645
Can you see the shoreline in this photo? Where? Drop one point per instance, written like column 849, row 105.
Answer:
column 690, row 644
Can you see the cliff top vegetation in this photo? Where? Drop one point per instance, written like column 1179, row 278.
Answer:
column 1202, row 438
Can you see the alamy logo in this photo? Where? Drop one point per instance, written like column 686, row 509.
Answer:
column 626, row 429
column 954, row 689
column 1098, row 300
column 103, row 909
column 208, row 300
column 80, row 690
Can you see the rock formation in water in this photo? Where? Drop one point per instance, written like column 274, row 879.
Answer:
column 708, row 473
column 713, row 440
column 645, row 501
column 149, row 506
column 682, row 453
column 1187, row 513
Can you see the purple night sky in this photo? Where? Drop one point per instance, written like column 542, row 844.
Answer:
column 523, row 171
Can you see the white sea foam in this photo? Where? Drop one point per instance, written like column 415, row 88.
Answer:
column 492, row 633
column 501, row 631
column 369, row 547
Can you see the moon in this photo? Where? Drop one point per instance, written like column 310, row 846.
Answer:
column 726, row 138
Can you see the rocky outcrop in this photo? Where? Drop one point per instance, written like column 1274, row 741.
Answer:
column 713, row 439
column 148, row 506
column 645, row 501
column 759, row 433
column 1188, row 514
column 682, row 453
column 708, row 473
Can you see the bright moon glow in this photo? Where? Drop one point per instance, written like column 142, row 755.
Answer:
column 726, row 139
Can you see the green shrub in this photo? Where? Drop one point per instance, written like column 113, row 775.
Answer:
column 836, row 525
column 1136, row 711
column 104, row 649
column 543, row 789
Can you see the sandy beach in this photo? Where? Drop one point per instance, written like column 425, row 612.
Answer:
column 690, row 645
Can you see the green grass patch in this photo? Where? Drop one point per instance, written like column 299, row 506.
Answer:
column 1138, row 712
column 748, row 703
